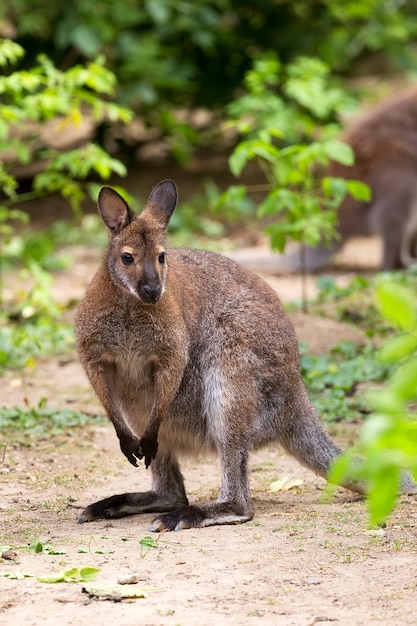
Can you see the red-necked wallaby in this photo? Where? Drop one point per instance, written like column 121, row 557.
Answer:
column 190, row 353
column 384, row 142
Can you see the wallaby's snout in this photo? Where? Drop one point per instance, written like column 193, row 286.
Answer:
column 150, row 286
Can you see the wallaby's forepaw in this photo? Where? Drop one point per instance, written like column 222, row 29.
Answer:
column 149, row 448
column 185, row 517
column 131, row 448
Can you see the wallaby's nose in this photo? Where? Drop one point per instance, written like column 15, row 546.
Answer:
column 150, row 294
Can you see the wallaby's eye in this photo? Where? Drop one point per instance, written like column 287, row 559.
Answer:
column 127, row 258
column 161, row 258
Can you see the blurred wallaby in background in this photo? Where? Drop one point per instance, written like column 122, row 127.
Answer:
column 385, row 145
column 190, row 353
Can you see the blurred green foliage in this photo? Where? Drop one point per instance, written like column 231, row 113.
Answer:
column 30, row 99
column 195, row 52
column 388, row 438
column 286, row 120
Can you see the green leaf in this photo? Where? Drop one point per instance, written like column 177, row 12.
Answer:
column 238, row 159
column 10, row 52
column 398, row 348
column 359, row 190
column 383, row 492
column 334, row 188
column 396, row 304
column 148, row 542
column 87, row 574
column 35, row 545
column 404, row 382
column 340, row 152
column 55, row 578
column 342, row 468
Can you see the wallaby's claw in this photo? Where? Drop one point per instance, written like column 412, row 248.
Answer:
column 131, row 448
column 149, row 448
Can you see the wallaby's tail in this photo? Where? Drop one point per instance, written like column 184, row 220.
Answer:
column 308, row 442
column 313, row 447
column 408, row 251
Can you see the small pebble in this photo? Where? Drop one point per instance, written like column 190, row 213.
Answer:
column 9, row 555
column 128, row 579
column 312, row 581
column 377, row 532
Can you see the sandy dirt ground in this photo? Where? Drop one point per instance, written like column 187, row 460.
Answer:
column 303, row 560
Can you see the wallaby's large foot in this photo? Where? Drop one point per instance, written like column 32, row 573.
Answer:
column 198, row 517
column 129, row 504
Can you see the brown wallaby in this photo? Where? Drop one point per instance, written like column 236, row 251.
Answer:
column 190, row 353
column 384, row 142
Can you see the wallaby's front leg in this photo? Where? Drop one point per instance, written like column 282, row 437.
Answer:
column 103, row 382
column 166, row 384
column 149, row 440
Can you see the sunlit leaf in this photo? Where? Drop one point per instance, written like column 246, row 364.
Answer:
column 285, row 483
column 396, row 303
column 398, row 348
column 383, row 492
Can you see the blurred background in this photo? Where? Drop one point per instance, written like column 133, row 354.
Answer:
column 168, row 88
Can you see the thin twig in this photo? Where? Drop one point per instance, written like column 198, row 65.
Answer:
column 303, row 266
column 3, row 458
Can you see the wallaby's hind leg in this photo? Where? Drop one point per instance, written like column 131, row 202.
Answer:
column 167, row 493
column 233, row 506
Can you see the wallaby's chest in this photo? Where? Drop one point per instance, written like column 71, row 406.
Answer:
column 131, row 342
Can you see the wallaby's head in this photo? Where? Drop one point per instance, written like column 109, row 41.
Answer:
column 136, row 252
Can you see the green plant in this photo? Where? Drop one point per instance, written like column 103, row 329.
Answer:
column 93, row 548
column 31, row 336
column 195, row 52
column 147, row 544
column 37, row 547
column 388, row 438
column 35, row 97
column 41, row 421
column 332, row 379
column 277, row 117
column 41, row 108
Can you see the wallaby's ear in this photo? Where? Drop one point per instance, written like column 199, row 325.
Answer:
column 114, row 211
column 163, row 200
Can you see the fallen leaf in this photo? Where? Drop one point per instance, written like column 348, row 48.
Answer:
column 285, row 483
column 118, row 592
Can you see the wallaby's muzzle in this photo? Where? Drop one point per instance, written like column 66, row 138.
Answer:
column 149, row 294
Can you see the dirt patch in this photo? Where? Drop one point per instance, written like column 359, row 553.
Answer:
column 303, row 560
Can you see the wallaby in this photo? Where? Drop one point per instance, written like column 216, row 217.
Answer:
column 190, row 353
column 384, row 142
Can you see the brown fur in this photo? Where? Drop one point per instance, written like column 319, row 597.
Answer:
column 385, row 146
column 190, row 353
